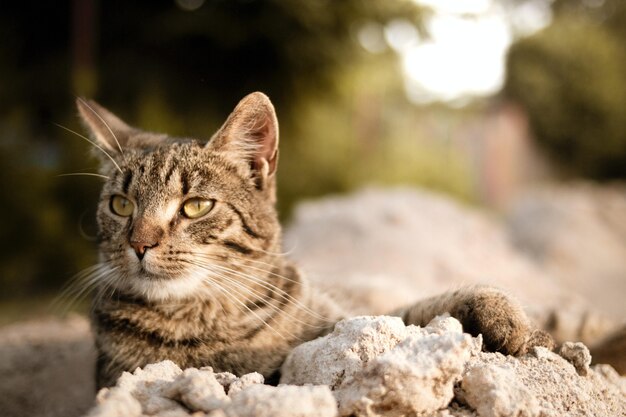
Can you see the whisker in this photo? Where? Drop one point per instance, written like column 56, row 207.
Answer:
column 79, row 287
column 93, row 143
column 237, row 300
column 105, row 124
column 89, row 174
column 243, row 264
column 282, row 293
column 269, row 286
column 286, row 297
column 228, row 291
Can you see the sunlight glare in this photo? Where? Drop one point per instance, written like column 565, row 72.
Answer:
column 465, row 55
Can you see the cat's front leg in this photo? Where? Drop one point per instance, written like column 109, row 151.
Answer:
column 482, row 310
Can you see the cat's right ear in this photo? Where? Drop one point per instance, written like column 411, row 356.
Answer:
column 109, row 131
column 250, row 134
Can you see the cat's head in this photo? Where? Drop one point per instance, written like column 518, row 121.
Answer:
column 172, row 211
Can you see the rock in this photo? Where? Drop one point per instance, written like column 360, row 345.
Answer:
column 283, row 401
column 417, row 375
column 224, row 378
column 244, row 382
column 115, row 402
column 405, row 380
column 149, row 386
column 333, row 358
column 444, row 323
column 164, row 390
column 543, row 384
column 494, row 391
column 578, row 355
column 377, row 366
column 198, row 390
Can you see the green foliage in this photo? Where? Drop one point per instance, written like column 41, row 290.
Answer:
column 571, row 79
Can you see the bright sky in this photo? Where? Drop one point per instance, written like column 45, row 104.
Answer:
column 466, row 53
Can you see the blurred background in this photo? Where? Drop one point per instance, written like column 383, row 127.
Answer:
column 481, row 100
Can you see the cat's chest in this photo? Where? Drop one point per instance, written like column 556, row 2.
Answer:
column 177, row 325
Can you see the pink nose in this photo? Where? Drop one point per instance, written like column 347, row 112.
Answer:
column 141, row 247
column 145, row 234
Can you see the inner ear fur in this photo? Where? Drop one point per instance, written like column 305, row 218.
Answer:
column 251, row 133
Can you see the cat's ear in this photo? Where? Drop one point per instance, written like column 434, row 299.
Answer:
column 109, row 131
column 251, row 134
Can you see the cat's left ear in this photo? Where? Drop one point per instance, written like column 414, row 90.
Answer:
column 109, row 131
column 251, row 134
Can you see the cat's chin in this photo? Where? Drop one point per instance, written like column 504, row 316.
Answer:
column 155, row 288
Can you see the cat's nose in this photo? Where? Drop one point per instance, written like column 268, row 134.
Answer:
column 145, row 234
column 141, row 247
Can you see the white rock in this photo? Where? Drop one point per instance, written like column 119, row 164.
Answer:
column 198, row 390
column 379, row 366
column 148, row 386
column 244, row 382
column 115, row 402
column 495, row 391
column 354, row 342
column 444, row 323
column 415, row 377
column 283, row 401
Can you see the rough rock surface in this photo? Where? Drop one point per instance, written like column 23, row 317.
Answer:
column 382, row 368
column 164, row 390
column 416, row 376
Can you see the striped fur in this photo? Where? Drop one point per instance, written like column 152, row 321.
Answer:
column 216, row 290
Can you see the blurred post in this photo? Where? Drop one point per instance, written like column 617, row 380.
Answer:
column 84, row 80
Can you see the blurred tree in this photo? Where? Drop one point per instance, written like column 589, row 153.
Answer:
column 571, row 78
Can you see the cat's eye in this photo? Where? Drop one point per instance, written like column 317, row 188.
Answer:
column 121, row 206
column 197, row 207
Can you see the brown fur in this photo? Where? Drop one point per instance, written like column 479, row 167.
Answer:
column 216, row 290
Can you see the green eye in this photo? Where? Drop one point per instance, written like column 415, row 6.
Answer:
column 197, row 207
column 121, row 206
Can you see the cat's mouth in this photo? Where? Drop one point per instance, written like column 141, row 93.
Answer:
column 154, row 274
column 149, row 268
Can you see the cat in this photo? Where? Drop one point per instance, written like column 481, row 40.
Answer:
column 190, row 266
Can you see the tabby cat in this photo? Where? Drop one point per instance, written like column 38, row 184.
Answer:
column 190, row 264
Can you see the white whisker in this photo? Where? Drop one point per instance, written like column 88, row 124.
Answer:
column 79, row 287
column 93, row 143
column 88, row 174
column 237, row 300
column 282, row 294
column 268, row 285
column 238, row 295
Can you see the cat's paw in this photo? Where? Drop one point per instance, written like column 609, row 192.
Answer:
column 503, row 324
